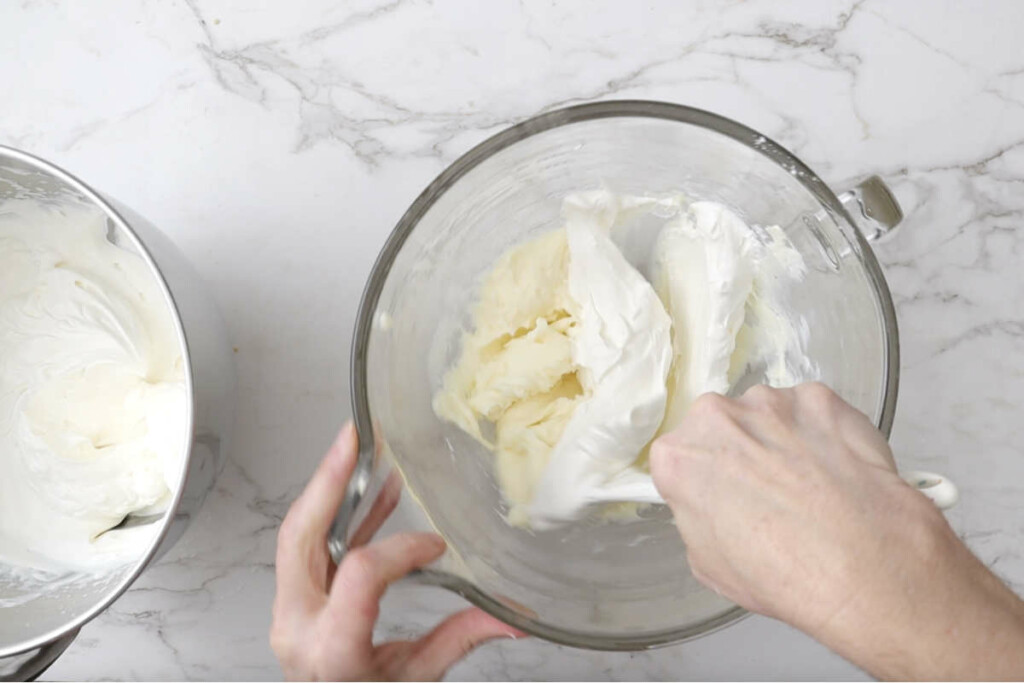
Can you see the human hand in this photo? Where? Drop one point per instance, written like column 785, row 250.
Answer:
column 324, row 615
column 790, row 505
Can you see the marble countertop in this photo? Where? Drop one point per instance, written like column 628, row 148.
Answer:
column 278, row 143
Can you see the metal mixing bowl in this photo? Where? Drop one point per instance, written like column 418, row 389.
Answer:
column 38, row 622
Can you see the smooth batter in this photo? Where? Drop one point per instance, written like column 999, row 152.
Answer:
column 93, row 403
column 578, row 362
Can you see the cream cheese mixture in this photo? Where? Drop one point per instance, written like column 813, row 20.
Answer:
column 578, row 362
column 93, row 402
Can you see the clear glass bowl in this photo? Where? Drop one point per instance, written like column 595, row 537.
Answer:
column 594, row 585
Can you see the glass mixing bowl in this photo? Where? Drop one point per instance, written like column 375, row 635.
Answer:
column 590, row 584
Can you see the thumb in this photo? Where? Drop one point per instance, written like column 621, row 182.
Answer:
column 453, row 639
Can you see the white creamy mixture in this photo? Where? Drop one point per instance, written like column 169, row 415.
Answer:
column 578, row 362
column 93, row 403
column 621, row 352
column 713, row 275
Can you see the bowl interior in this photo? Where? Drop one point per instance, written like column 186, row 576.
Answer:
column 594, row 582
column 37, row 606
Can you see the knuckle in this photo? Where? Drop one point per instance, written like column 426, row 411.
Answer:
column 359, row 567
column 765, row 397
column 761, row 392
column 466, row 645
column 710, row 405
column 820, row 394
column 821, row 401
column 769, row 402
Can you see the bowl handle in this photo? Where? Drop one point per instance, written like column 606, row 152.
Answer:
column 935, row 487
column 872, row 207
column 875, row 213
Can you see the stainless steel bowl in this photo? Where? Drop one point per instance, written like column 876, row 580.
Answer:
column 35, row 631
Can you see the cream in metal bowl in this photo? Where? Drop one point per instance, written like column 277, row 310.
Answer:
column 115, row 401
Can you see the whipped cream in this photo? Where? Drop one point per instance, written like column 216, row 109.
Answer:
column 93, row 402
column 713, row 274
column 579, row 362
column 622, row 351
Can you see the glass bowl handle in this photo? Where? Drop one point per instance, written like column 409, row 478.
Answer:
column 875, row 213
column 872, row 207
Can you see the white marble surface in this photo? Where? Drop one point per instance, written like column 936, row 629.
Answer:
column 278, row 142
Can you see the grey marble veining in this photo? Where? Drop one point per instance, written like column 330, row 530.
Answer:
column 278, row 143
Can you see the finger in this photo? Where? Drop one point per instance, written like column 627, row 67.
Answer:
column 366, row 572
column 304, row 529
column 390, row 658
column 382, row 508
column 453, row 639
column 318, row 504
